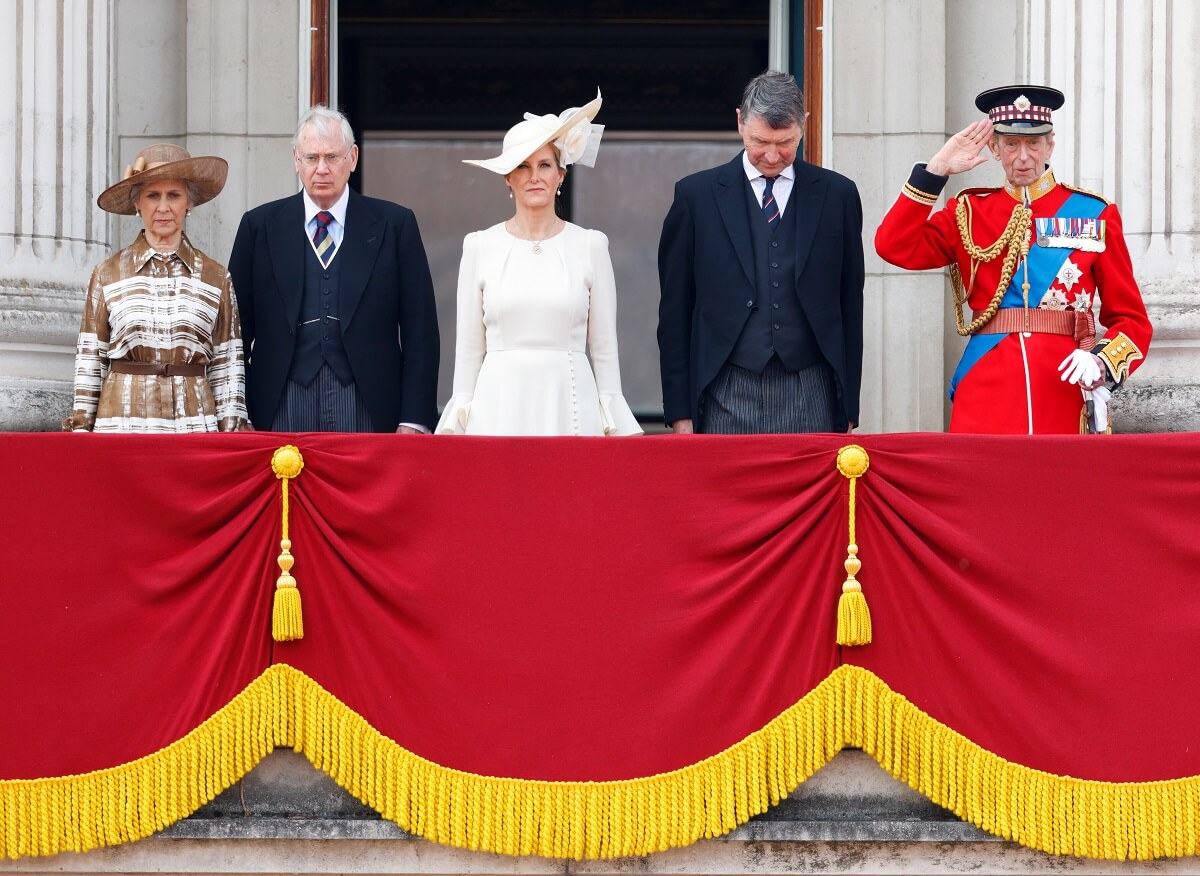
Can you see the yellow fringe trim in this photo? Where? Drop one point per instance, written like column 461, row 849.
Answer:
column 131, row 801
column 850, row 707
column 1060, row 815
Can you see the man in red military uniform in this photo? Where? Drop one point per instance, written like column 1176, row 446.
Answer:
column 1031, row 259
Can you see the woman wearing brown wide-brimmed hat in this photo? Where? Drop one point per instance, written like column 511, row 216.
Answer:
column 533, row 293
column 160, row 346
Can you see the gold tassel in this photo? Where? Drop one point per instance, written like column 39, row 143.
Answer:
column 854, row 617
column 287, row 618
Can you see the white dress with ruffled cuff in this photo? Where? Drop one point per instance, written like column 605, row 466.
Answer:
column 527, row 323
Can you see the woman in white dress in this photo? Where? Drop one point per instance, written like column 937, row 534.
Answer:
column 533, row 292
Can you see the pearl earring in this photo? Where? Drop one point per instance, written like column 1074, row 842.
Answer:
column 189, row 212
column 137, row 212
column 560, row 191
column 510, row 194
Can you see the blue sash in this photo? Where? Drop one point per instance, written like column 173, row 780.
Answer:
column 1044, row 264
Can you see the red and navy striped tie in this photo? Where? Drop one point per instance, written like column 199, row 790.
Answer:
column 769, row 208
column 321, row 239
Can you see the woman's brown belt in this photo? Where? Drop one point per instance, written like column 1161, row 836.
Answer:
column 161, row 369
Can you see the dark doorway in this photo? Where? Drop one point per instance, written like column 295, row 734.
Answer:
column 473, row 65
column 469, row 65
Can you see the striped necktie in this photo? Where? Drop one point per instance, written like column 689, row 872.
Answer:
column 769, row 208
column 322, row 239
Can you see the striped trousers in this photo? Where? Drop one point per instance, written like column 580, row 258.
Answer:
column 325, row 405
column 741, row 402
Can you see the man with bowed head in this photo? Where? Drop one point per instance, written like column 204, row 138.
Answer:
column 760, row 266
column 1031, row 258
column 338, row 317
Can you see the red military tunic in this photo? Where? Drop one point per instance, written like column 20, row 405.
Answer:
column 1009, row 382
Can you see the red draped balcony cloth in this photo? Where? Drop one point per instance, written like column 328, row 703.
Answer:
column 596, row 647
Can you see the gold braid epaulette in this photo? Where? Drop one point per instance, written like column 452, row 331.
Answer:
column 1096, row 195
column 1015, row 237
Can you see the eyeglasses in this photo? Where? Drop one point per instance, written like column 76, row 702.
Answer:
column 332, row 159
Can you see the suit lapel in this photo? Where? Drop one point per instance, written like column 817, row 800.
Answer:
column 360, row 247
column 807, row 198
column 286, row 240
column 729, row 191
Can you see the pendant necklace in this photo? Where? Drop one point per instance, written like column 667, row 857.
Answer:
column 536, row 248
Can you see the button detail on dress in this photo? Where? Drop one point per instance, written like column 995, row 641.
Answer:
column 574, row 395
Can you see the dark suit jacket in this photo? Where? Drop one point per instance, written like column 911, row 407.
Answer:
column 706, row 276
column 388, row 317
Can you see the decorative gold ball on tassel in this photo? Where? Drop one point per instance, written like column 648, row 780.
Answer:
column 852, row 461
column 287, row 461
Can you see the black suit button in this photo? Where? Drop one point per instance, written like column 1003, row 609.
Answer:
column 326, row 276
column 749, row 303
column 775, row 284
column 776, row 326
column 776, row 305
column 774, row 264
column 774, row 243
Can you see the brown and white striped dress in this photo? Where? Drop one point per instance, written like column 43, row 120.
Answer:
column 165, row 308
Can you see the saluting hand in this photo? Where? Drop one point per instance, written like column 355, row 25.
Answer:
column 964, row 151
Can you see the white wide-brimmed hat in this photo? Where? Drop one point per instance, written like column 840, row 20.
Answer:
column 165, row 161
column 572, row 131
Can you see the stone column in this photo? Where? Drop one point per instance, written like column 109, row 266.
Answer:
column 247, row 85
column 886, row 105
column 226, row 81
column 54, row 106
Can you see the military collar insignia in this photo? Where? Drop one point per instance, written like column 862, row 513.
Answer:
column 1042, row 186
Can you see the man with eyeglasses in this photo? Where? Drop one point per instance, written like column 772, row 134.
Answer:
column 339, row 324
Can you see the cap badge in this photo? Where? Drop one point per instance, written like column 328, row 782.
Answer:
column 1022, row 103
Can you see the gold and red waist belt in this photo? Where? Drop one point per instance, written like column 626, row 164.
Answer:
column 1072, row 323
column 160, row 369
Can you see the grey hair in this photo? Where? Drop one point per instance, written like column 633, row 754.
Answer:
column 775, row 98
column 193, row 192
column 324, row 121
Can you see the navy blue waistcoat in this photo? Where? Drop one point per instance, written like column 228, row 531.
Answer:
column 319, row 335
column 777, row 325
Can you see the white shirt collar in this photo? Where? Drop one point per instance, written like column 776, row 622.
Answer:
column 753, row 173
column 338, row 209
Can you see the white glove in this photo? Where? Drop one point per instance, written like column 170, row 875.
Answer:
column 1080, row 367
